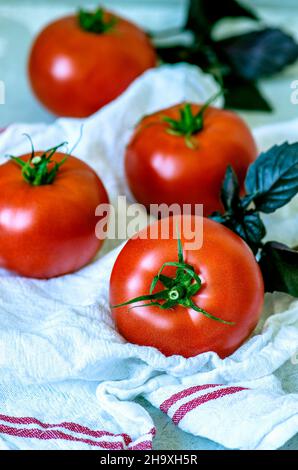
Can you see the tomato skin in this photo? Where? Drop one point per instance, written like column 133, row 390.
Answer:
column 232, row 290
column 74, row 72
column 161, row 168
column 49, row 230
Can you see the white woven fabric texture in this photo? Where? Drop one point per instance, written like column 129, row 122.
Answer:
column 68, row 380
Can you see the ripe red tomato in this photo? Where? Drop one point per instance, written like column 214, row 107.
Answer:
column 48, row 230
column 232, row 290
column 177, row 163
column 76, row 68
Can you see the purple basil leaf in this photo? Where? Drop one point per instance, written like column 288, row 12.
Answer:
column 244, row 94
column 279, row 265
column 259, row 53
column 230, row 190
column 273, row 177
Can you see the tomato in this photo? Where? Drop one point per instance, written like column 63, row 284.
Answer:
column 232, row 290
column 170, row 161
column 48, row 230
column 75, row 68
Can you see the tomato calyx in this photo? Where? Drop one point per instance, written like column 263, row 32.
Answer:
column 188, row 123
column 179, row 290
column 96, row 21
column 40, row 169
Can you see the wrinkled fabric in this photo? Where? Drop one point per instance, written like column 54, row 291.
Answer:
column 68, row 380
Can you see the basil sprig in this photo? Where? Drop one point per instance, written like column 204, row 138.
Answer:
column 236, row 62
column 270, row 183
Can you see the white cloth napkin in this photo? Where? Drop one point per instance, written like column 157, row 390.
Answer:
column 68, row 380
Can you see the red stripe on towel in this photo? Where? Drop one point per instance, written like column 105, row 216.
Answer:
column 166, row 405
column 48, row 433
column 74, row 427
column 191, row 405
column 35, row 433
column 144, row 445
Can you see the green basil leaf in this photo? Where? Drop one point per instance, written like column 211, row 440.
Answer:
column 230, row 190
column 273, row 177
column 279, row 266
column 259, row 53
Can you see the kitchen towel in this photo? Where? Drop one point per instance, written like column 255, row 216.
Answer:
column 68, row 380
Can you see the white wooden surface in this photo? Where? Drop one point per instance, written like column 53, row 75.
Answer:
column 20, row 20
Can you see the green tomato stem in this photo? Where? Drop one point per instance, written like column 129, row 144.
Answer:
column 179, row 290
column 95, row 21
column 40, row 169
column 189, row 124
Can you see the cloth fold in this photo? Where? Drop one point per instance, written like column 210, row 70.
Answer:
column 68, row 380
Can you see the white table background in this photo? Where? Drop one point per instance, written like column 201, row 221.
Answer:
column 20, row 20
